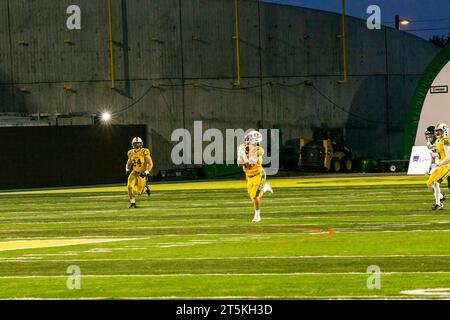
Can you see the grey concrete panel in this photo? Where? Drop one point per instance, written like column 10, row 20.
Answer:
column 149, row 31
column 51, row 69
column 208, row 28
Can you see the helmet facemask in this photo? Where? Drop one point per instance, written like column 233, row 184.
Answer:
column 137, row 145
column 248, row 140
column 431, row 138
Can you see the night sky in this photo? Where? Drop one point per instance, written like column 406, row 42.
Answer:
column 414, row 10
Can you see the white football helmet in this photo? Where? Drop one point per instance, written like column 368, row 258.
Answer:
column 253, row 138
column 137, row 143
column 441, row 127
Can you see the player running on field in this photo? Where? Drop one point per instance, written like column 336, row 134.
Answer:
column 440, row 164
column 431, row 145
column 137, row 169
column 250, row 156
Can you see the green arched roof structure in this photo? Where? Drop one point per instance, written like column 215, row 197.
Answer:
column 418, row 99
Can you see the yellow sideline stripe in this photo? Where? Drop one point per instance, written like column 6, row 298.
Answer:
column 306, row 182
column 33, row 244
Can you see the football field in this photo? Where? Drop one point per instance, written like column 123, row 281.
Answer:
column 318, row 237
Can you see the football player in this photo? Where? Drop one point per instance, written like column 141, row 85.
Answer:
column 250, row 157
column 431, row 139
column 431, row 145
column 137, row 170
column 440, row 164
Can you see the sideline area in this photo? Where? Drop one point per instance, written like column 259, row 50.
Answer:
column 335, row 180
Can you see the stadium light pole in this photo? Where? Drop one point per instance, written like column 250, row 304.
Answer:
column 400, row 22
column 236, row 37
column 343, row 37
column 111, row 48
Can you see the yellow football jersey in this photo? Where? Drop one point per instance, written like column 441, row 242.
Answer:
column 440, row 148
column 254, row 152
column 137, row 159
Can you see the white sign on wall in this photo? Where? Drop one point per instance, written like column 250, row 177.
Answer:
column 420, row 160
column 438, row 89
column 436, row 107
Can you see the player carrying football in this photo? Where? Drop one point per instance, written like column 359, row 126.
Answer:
column 431, row 145
column 137, row 169
column 250, row 156
column 440, row 164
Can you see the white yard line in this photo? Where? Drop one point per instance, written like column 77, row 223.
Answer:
column 306, row 229
column 50, row 243
column 123, row 196
column 243, row 219
column 418, row 297
column 244, row 235
column 292, row 274
column 41, row 258
column 272, row 297
column 433, row 292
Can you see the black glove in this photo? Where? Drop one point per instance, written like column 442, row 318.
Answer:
column 144, row 175
column 127, row 173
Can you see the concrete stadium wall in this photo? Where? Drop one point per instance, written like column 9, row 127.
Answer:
column 183, row 45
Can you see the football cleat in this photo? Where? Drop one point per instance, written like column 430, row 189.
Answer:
column 268, row 188
column 256, row 219
column 436, row 207
column 133, row 206
column 147, row 190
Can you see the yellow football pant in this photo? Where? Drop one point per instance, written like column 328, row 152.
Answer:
column 136, row 182
column 255, row 184
column 438, row 175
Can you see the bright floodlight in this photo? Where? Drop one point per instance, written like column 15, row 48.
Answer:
column 404, row 22
column 106, row 116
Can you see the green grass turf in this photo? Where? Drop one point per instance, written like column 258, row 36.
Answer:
column 317, row 238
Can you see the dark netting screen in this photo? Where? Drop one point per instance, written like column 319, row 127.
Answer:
column 65, row 155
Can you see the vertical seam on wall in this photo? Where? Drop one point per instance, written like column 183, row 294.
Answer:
column 386, row 85
column 11, row 58
column 260, row 65
column 182, row 66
